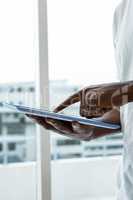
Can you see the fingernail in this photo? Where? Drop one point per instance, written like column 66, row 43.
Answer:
column 75, row 123
column 50, row 121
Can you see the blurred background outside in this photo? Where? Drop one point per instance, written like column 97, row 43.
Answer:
column 80, row 47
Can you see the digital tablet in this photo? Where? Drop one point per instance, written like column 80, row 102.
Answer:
column 48, row 114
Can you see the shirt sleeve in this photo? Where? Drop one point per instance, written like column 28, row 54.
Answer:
column 115, row 25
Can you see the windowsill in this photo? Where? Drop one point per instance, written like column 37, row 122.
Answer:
column 73, row 179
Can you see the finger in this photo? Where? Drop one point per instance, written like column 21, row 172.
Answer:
column 68, row 130
column 112, row 116
column 60, row 126
column 90, row 111
column 80, row 128
column 35, row 118
column 74, row 98
column 40, row 120
column 69, row 101
column 86, row 131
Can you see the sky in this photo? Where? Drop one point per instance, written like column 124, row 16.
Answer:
column 79, row 40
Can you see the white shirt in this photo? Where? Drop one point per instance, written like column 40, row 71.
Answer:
column 123, row 43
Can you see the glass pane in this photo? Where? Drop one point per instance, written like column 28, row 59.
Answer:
column 17, row 79
column 80, row 54
column 17, row 85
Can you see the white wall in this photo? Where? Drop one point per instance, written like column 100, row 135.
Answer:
column 71, row 179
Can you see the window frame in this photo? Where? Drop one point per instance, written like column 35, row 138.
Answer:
column 42, row 99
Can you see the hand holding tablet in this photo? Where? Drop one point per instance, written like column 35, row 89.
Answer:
column 68, row 118
column 72, row 126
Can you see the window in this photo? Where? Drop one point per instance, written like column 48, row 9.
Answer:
column 31, row 89
column 1, row 147
column 11, row 90
column 69, row 46
column 19, row 89
column 20, row 56
column 15, row 129
column 18, row 51
column 78, row 57
column 67, row 142
column 11, row 146
column 16, row 115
